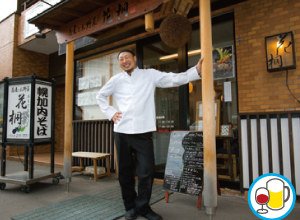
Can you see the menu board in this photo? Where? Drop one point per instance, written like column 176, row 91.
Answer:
column 184, row 168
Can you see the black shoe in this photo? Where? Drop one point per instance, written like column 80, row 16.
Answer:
column 152, row 216
column 131, row 214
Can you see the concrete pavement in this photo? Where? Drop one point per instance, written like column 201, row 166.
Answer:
column 15, row 202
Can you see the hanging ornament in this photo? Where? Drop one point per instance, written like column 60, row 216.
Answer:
column 175, row 30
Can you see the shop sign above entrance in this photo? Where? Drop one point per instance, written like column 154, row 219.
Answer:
column 105, row 17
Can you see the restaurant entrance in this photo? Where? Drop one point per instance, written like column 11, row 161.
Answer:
column 166, row 100
column 225, row 94
column 171, row 116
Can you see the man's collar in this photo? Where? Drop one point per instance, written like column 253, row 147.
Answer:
column 136, row 69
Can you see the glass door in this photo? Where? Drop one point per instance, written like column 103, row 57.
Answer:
column 91, row 74
column 166, row 101
column 225, row 94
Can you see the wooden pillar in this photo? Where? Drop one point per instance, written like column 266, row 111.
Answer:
column 209, row 125
column 68, row 113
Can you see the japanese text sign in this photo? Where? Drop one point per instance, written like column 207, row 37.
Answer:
column 104, row 17
column 18, row 111
column 43, row 105
column 280, row 52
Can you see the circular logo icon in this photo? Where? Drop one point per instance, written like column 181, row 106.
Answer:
column 271, row 196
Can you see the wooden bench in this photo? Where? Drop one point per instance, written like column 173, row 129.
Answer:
column 94, row 156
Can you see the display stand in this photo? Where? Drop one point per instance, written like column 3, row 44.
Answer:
column 28, row 120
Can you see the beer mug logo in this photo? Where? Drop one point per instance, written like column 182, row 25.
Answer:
column 271, row 196
column 277, row 193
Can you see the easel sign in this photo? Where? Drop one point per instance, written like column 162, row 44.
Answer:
column 184, row 168
column 199, row 116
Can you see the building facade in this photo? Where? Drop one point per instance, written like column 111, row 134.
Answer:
column 257, row 95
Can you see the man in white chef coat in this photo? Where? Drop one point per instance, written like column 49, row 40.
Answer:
column 134, row 121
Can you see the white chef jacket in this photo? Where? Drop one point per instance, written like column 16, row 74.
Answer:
column 134, row 96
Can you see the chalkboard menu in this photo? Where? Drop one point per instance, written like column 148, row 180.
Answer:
column 184, row 168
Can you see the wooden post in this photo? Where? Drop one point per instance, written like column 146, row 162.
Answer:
column 149, row 21
column 109, row 76
column 68, row 113
column 209, row 128
column 167, row 196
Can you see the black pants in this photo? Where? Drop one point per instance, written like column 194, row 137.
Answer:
column 142, row 146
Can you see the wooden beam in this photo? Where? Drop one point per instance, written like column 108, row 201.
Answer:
column 158, row 50
column 98, row 2
column 93, row 35
column 167, row 7
column 93, row 22
column 183, row 7
column 127, row 40
column 46, row 25
column 53, row 22
column 71, row 12
column 140, row 21
column 118, row 29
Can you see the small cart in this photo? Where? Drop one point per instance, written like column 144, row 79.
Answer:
column 22, row 178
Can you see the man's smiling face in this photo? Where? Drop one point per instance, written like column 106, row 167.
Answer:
column 127, row 62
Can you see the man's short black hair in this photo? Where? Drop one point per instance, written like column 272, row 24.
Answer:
column 126, row 50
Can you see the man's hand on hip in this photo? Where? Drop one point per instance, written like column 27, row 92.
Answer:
column 117, row 117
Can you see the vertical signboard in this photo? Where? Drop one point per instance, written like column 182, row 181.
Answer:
column 18, row 111
column 1, row 108
column 27, row 118
column 43, row 106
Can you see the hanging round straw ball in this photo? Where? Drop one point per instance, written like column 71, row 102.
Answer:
column 175, row 30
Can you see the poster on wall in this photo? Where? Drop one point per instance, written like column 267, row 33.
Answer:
column 83, row 83
column 92, row 98
column 82, row 99
column 87, row 98
column 43, row 113
column 18, row 111
column 96, row 81
column 199, row 116
column 223, row 62
column 227, row 92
